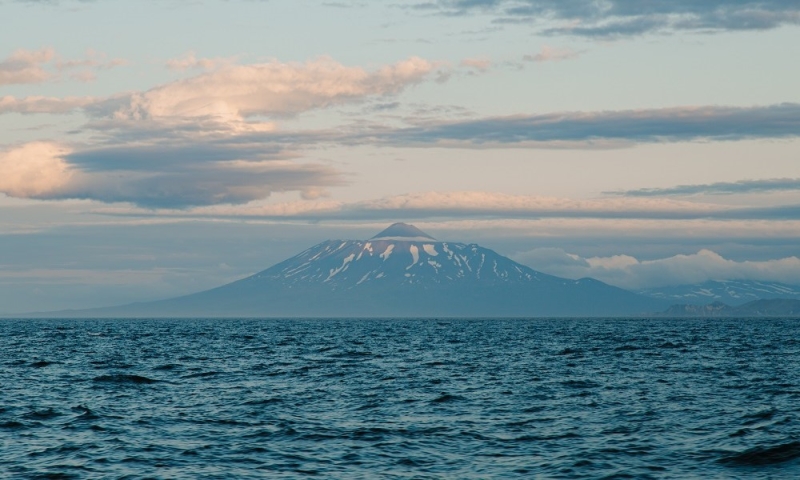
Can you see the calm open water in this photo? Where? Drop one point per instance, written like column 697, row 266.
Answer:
column 400, row 399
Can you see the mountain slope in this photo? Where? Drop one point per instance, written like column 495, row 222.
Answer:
column 401, row 272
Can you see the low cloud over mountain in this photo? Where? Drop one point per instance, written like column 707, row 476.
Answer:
column 628, row 272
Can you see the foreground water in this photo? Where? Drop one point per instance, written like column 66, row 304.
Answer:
column 400, row 399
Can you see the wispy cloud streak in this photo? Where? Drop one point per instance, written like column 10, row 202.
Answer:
column 719, row 188
column 475, row 205
column 38, row 66
column 551, row 54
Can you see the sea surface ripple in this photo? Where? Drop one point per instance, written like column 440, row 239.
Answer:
column 353, row 399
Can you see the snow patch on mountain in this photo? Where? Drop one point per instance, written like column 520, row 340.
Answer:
column 345, row 264
column 414, row 250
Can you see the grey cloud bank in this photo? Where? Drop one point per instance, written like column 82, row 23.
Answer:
column 652, row 125
column 207, row 160
column 617, row 18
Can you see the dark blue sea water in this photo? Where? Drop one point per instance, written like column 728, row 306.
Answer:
column 400, row 399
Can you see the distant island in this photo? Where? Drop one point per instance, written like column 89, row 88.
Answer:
column 776, row 307
column 400, row 272
column 404, row 272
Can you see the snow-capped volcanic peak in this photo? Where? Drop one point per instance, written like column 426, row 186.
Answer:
column 401, row 272
column 401, row 254
column 404, row 232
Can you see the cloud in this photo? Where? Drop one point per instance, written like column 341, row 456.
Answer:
column 204, row 140
column 719, row 188
column 607, row 129
column 93, row 59
column 37, row 66
column 190, row 62
column 38, row 104
column 34, row 169
column 148, row 150
column 628, row 272
column 273, row 89
column 156, row 177
column 614, row 28
column 619, row 18
column 552, row 54
column 26, row 66
column 234, row 93
column 475, row 205
column 478, row 64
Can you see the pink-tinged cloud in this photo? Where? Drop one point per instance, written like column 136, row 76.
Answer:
column 38, row 104
column 50, row 171
column 189, row 61
column 35, row 170
column 479, row 64
column 26, row 66
column 552, row 54
column 272, row 89
column 93, row 60
column 37, row 66
column 478, row 202
column 468, row 204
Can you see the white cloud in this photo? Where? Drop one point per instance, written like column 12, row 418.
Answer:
column 628, row 272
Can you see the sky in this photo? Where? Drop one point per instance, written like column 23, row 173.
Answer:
column 151, row 149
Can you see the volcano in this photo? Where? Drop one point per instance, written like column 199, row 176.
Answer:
column 400, row 272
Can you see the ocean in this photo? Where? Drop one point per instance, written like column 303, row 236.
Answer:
column 353, row 398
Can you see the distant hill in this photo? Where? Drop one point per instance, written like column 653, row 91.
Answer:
column 780, row 307
column 731, row 292
column 401, row 272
